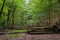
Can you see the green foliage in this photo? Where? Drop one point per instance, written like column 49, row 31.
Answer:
column 0, row 4
column 20, row 12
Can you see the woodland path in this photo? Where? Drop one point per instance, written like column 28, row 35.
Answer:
column 24, row 36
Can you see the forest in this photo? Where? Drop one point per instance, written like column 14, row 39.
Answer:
column 22, row 14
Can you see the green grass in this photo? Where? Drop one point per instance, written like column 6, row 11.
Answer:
column 19, row 30
column 16, row 35
column 12, row 35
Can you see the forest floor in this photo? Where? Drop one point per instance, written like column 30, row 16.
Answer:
column 25, row 36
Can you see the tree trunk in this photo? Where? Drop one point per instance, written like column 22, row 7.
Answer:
column 8, row 15
column 2, row 7
column 13, row 16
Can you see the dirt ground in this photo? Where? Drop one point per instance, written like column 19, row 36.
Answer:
column 24, row 36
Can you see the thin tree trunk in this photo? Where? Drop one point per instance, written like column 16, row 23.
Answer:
column 8, row 15
column 2, row 7
column 3, row 24
column 13, row 16
column 50, row 9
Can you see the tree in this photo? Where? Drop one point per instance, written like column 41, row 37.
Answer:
column 2, row 7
